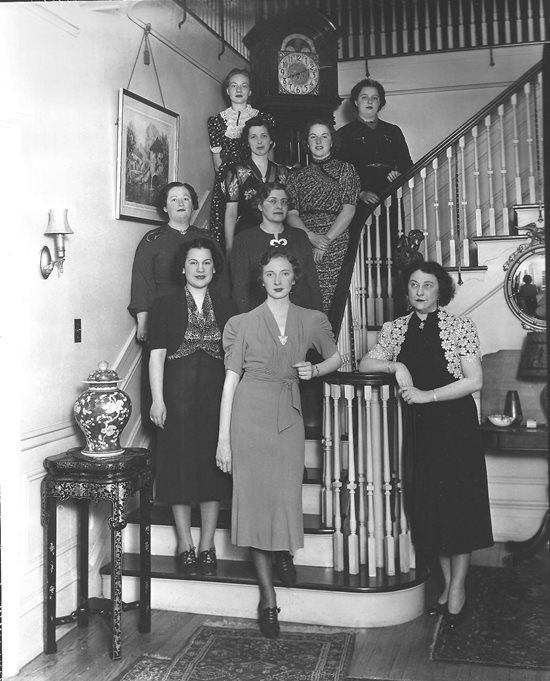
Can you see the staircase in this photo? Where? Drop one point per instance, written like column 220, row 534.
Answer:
column 322, row 595
column 357, row 568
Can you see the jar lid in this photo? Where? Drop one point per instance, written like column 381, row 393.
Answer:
column 102, row 374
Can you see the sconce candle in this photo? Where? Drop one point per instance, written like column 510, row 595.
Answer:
column 58, row 226
column 101, row 412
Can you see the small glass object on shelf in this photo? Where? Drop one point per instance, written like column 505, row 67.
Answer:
column 512, row 407
column 102, row 411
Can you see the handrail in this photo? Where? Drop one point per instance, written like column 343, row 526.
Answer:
column 364, row 210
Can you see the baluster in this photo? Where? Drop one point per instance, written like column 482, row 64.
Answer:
column 338, row 537
column 364, row 319
column 353, row 539
column 439, row 30
column 450, row 25
column 393, row 29
column 424, row 213
column 492, row 225
column 530, row 24
column 382, row 32
column 355, row 300
column 503, row 172
column 389, row 284
column 529, row 139
column 404, row 539
column 438, row 255
column 461, row 27
column 479, row 224
column 361, row 479
column 370, row 276
column 514, row 101
column 416, row 30
column 326, row 492
column 343, row 340
column 507, row 29
column 519, row 34
column 376, row 445
column 484, row 36
column 539, row 136
column 450, row 202
column 378, row 260
column 465, row 240
column 389, row 544
column 369, row 486
column 361, row 37
column 411, row 203
column 372, row 25
column 399, row 199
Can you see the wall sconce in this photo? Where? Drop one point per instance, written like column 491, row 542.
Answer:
column 58, row 226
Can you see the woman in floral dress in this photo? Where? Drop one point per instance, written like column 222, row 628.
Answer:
column 224, row 132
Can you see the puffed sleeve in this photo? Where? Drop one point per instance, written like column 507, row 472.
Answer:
column 323, row 336
column 215, row 133
column 158, row 325
column 468, row 339
column 293, row 189
column 230, row 185
column 143, row 288
column 234, row 344
column 384, row 347
column 350, row 184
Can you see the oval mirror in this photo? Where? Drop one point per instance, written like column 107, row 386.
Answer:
column 525, row 288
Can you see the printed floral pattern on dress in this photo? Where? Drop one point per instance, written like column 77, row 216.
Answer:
column 202, row 330
column 459, row 340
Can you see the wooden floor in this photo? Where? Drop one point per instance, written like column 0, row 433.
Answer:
column 399, row 653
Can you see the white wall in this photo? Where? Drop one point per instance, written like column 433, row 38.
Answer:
column 430, row 96
column 61, row 66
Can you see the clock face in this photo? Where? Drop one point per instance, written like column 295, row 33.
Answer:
column 298, row 73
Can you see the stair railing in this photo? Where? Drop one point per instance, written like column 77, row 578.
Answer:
column 463, row 189
column 363, row 499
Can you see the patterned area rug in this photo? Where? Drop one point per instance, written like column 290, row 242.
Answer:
column 229, row 654
column 508, row 621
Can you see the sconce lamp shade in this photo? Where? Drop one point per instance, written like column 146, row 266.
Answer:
column 58, row 222
column 532, row 363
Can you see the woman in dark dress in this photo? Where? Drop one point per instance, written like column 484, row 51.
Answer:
column 187, row 373
column 224, row 132
column 153, row 272
column 435, row 358
column 243, row 180
column 377, row 149
column 323, row 197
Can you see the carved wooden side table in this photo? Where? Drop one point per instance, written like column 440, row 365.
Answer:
column 72, row 476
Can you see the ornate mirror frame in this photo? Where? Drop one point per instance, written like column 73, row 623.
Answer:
column 527, row 260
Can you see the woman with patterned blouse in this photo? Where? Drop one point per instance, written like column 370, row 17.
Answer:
column 187, row 374
column 224, row 132
column 243, row 180
column 435, row 358
column 324, row 195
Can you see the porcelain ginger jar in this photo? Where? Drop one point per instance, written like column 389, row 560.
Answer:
column 101, row 412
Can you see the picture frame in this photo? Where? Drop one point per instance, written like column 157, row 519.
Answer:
column 147, row 156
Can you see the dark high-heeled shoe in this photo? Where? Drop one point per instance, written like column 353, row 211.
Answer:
column 187, row 562
column 455, row 619
column 269, row 621
column 285, row 568
column 437, row 609
column 207, row 562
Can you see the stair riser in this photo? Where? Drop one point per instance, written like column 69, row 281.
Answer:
column 303, row 606
column 317, row 549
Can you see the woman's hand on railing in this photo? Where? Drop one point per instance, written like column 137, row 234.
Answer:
column 368, row 197
column 393, row 175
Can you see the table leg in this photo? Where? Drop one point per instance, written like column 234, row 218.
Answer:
column 145, row 559
column 51, row 539
column 530, row 547
column 83, row 548
column 116, row 591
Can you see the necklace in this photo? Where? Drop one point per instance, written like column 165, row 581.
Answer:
column 283, row 339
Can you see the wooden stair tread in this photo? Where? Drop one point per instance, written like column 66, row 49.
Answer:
column 242, row 572
column 162, row 515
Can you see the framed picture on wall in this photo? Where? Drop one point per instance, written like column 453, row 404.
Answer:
column 147, row 158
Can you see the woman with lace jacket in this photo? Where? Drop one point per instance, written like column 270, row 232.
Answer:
column 435, row 358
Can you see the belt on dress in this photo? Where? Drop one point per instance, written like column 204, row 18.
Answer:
column 289, row 398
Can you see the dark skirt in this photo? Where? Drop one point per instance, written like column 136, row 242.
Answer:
column 446, row 479
column 186, row 468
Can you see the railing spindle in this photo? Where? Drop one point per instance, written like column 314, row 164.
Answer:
column 370, row 273
column 379, row 300
column 424, row 213
column 389, row 544
column 326, row 492
column 479, row 222
column 389, row 263
column 438, row 253
column 464, row 203
column 362, row 519
column 529, row 140
column 369, row 487
column 451, row 203
column 353, row 539
column 514, row 102
column 503, row 171
column 338, row 537
column 492, row 222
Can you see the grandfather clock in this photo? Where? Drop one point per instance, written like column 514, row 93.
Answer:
column 293, row 59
